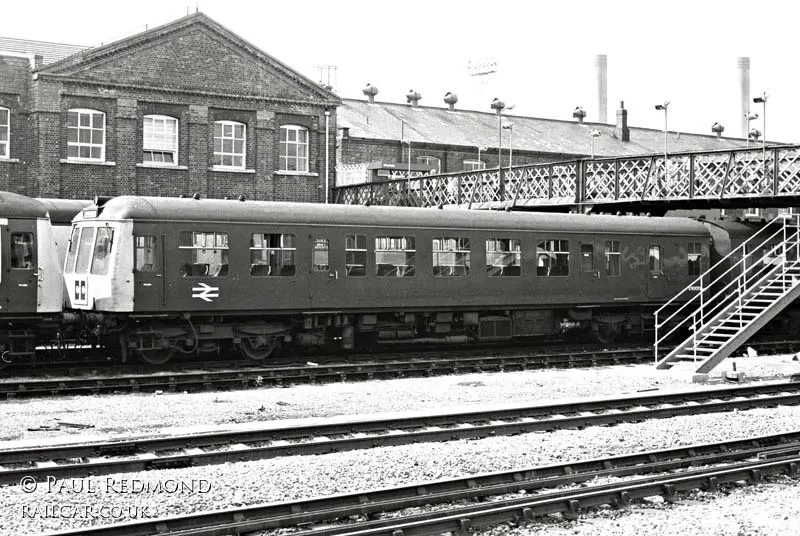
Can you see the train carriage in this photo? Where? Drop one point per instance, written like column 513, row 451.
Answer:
column 197, row 275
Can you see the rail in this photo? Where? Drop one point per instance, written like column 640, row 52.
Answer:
column 760, row 257
column 719, row 178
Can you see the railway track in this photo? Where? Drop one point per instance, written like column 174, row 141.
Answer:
column 435, row 363
column 674, row 469
column 342, row 434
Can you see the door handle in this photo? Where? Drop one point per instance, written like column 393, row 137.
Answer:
column 334, row 274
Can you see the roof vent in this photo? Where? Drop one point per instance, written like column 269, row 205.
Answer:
column 242, row 198
column 413, row 97
column 370, row 91
column 579, row 114
column 196, row 195
column 717, row 129
column 451, row 99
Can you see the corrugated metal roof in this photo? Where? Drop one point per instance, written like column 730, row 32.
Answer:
column 469, row 128
column 50, row 52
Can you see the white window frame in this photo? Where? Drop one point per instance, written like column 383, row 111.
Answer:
column 152, row 145
column 284, row 158
column 233, row 154
column 428, row 160
column 473, row 165
column 5, row 144
column 753, row 212
column 91, row 127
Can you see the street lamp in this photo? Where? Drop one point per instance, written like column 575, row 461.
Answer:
column 749, row 116
column 510, row 127
column 480, row 148
column 666, row 162
column 594, row 133
column 763, row 101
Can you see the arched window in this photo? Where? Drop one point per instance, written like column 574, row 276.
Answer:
column 160, row 140
column 293, row 148
column 86, row 135
column 229, row 144
column 5, row 132
column 434, row 163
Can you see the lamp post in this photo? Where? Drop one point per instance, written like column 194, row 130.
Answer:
column 498, row 106
column 749, row 116
column 666, row 161
column 480, row 148
column 763, row 101
column 594, row 133
column 408, row 141
column 510, row 127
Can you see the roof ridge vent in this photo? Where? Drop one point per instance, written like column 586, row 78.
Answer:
column 451, row 99
column 413, row 97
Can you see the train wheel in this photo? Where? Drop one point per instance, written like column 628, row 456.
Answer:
column 156, row 357
column 606, row 333
column 259, row 348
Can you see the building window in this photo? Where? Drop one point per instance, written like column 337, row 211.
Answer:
column 229, row 144
column 355, row 255
column 612, row 258
column 203, row 254
column 434, row 163
column 655, row 260
column 395, row 256
column 503, row 257
column 473, row 165
column 587, row 258
column 160, row 142
column 451, row 256
column 86, row 135
column 552, row 258
column 294, row 148
column 272, row 254
column 5, row 132
column 693, row 255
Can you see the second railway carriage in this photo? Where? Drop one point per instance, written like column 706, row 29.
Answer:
column 163, row 275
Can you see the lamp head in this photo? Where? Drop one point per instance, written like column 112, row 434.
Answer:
column 662, row 106
column 761, row 100
column 751, row 116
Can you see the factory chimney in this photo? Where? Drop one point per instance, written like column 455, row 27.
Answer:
column 743, row 64
column 601, row 68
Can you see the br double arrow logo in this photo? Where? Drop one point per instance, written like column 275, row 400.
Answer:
column 205, row 292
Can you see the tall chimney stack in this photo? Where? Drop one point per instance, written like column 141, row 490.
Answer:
column 601, row 68
column 743, row 64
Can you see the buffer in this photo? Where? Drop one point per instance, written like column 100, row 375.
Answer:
column 734, row 299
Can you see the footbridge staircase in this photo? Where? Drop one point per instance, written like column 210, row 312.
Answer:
column 733, row 299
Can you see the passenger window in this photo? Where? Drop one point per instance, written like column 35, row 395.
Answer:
column 355, row 251
column 655, row 260
column 587, row 258
column 552, row 258
column 84, row 250
column 145, row 254
column 272, row 255
column 694, row 254
column 69, row 263
column 203, row 254
column 395, row 256
column 102, row 250
column 451, row 256
column 22, row 250
column 503, row 257
column 612, row 258
column 319, row 255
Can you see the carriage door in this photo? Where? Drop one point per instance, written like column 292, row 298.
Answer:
column 19, row 277
column 326, row 271
column 148, row 265
column 589, row 285
column 656, row 277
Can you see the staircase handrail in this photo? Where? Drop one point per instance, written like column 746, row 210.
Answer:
column 699, row 289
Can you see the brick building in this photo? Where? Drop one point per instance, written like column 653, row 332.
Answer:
column 187, row 107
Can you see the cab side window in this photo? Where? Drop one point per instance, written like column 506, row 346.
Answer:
column 145, row 257
column 22, row 251
column 69, row 263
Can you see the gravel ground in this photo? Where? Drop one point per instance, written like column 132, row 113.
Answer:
column 77, row 503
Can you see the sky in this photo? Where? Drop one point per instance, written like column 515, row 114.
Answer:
column 684, row 52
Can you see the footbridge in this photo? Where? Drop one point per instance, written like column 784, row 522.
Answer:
column 748, row 177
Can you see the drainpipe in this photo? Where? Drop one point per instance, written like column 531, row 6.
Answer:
column 327, row 156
